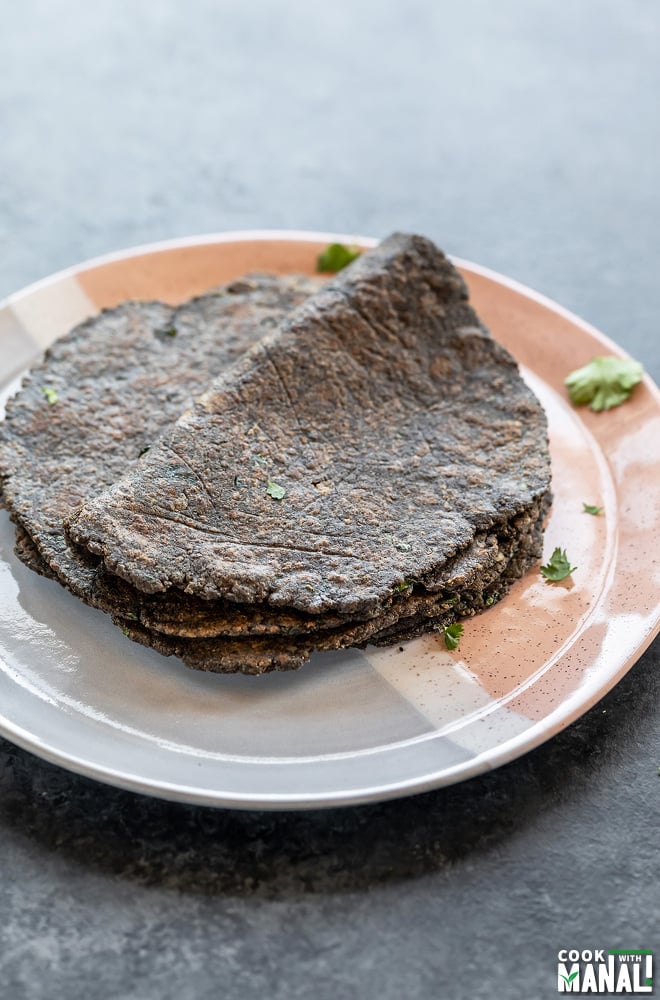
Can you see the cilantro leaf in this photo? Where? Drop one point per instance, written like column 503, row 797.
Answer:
column 591, row 508
column 558, row 567
column 336, row 256
column 402, row 585
column 604, row 382
column 50, row 394
column 452, row 634
column 275, row 491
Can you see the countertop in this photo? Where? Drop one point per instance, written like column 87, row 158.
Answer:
column 524, row 136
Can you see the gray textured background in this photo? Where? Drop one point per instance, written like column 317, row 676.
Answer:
column 522, row 134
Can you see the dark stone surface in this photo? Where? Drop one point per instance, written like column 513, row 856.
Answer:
column 524, row 136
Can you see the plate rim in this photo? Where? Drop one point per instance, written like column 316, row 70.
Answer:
column 512, row 748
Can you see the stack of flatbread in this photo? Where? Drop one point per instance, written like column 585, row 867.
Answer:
column 282, row 465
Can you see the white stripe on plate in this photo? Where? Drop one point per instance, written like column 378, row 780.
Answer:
column 17, row 348
column 443, row 689
column 51, row 310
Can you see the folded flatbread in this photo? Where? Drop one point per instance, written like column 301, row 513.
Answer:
column 322, row 491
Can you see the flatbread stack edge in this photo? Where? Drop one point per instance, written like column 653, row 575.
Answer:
column 372, row 468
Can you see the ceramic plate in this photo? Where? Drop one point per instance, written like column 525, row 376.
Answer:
column 355, row 725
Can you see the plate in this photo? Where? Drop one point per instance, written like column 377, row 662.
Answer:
column 350, row 726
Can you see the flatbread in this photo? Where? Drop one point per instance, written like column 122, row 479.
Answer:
column 408, row 617
column 121, row 378
column 383, row 409
column 400, row 433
